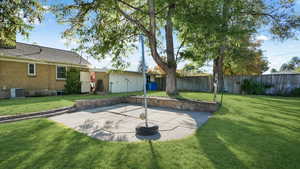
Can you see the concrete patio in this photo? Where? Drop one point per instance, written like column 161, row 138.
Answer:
column 118, row 122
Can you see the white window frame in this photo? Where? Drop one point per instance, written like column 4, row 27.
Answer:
column 56, row 72
column 28, row 69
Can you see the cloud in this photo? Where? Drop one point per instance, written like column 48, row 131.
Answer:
column 261, row 38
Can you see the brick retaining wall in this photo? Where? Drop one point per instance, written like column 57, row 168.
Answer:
column 93, row 103
column 180, row 104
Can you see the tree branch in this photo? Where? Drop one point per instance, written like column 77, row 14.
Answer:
column 135, row 8
column 181, row 45
column 259, row 14
column 134, row 21
column 169, row 36
column 161, row 10
column 152, row 37
column 151, row 34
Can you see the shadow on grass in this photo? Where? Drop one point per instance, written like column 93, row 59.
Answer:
column 253, row 132
column 43, row 145
column 237, row 144
column 138, row 156
column 216, row 149
column 154, row 156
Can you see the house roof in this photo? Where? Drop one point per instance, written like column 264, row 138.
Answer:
column 124, row 71
column 42, row 53
column 114, row 71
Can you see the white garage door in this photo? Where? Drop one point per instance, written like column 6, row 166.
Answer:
column 85, row 82
column 123, row 82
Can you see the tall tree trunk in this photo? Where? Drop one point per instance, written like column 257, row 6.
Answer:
column 215, row 78
column 169, row 65
column 223, row 46
column 221, row 69
column 218, row 73
column 171, row 87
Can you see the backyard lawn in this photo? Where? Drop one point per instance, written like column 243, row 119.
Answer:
column 249, row 132
column 36, row 104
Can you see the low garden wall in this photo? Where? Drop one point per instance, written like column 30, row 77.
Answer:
column 93, row 103
column 181, row 104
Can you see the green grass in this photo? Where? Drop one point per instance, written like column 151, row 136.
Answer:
column 249, row 132
column 187, row 95
column 36, row 104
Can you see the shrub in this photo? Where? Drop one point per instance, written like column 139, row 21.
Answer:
column 295, row 92
column 252, row 87
column 73, row 84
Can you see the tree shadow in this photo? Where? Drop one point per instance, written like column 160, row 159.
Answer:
column 217, row 151
column 241, row 141
column 61, row 147
column 278, row 108
column 248, row 144
column 136, row 156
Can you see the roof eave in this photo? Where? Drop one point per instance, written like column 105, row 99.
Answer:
column 14, row 58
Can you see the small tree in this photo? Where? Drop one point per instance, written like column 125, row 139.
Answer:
column 73, row 84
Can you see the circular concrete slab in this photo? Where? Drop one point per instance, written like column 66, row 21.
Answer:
column 118, row 122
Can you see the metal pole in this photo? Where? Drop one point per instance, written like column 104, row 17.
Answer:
column 145, row 79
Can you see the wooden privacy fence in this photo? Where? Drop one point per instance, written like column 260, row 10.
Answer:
column 280, row 83
column 200, row 83
column 195, row 83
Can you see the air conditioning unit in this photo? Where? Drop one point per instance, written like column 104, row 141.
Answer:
column 17, row 93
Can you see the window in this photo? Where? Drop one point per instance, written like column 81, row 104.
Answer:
column 60, row 72
column 31, row 69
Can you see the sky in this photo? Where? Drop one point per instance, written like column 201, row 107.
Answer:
column 48, row 33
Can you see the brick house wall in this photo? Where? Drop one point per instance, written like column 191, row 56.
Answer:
column 15, row 75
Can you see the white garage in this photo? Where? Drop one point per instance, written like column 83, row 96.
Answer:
column 125, row 81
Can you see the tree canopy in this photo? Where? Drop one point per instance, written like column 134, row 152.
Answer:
column 216, row 27
column 247, row 59
column 110, row 28
column 18, row 16
column 211, row 24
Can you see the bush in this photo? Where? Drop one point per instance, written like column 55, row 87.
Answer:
column 73, row 84
column 252, row 87
column 295, row 92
